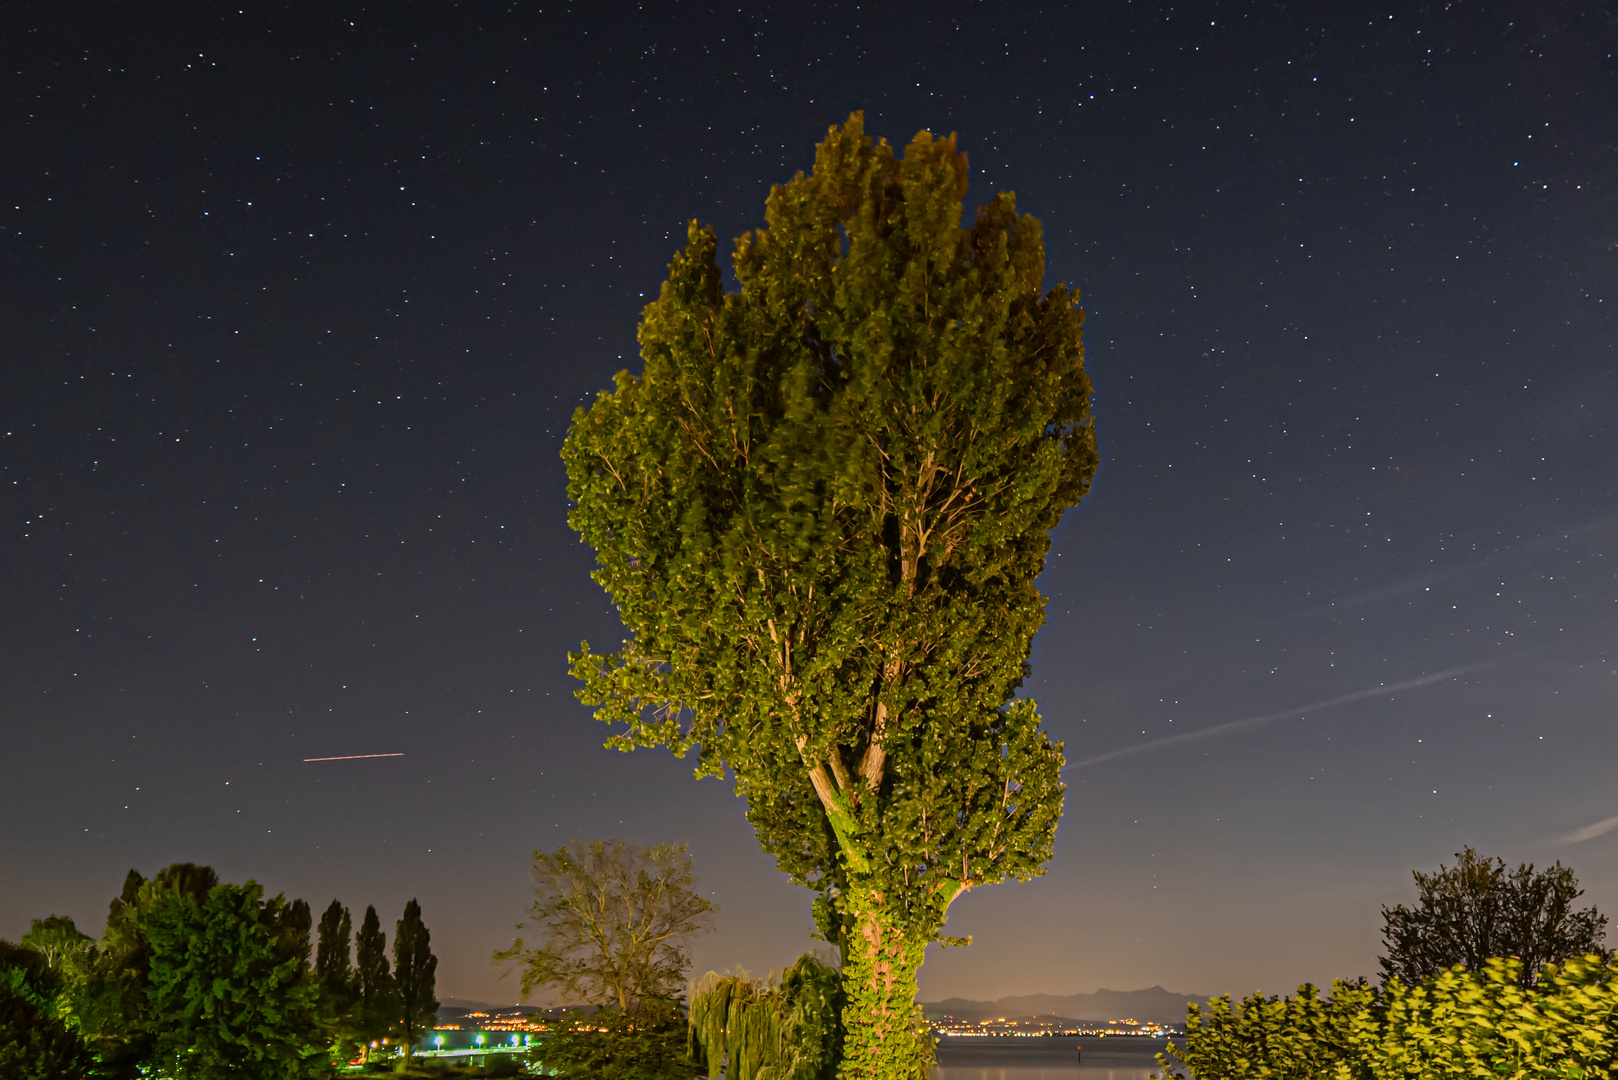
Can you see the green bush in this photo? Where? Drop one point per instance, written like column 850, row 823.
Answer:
column 611, row 1046
column 1299, row 1038
column 35, row 1045
column 1459, row 1023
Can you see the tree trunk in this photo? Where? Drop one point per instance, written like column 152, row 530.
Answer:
column 884, row 1039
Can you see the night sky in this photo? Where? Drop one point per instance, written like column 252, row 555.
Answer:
column 296, row 305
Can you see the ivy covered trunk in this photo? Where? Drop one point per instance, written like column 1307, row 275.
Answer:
column 884, row 1037
column 820, row 510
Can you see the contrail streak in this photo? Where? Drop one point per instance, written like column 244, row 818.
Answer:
column 1411, row 584
column 1231, row 727
column 1590, row 832
column 350, row 757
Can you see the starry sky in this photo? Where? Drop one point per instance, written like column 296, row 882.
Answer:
column 296, row 302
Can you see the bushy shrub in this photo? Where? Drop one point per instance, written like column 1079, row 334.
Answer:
column 612, row 1046
column 35, row 1045
column 1299, row 1038
column 1459, row 1023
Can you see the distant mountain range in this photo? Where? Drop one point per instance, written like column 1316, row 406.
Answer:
column 469, row 1005
column 1154, row 1004
column 454, row 1007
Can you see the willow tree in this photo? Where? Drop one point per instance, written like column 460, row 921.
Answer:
column 820, row 510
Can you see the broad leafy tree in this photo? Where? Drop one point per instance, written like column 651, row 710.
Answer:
column 56, row 939
column 820, row 509
column 1475, row 910
column 229, row 985
column 414, row 976
column 35, row 1043
column 108, row 994
column 609, row 925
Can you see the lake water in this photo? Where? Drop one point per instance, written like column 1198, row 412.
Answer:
column 1054, row 1058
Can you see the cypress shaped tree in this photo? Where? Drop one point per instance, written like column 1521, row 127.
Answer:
column 293, row 926
column 821, row 509
column 334, row 966
column 414, row 971
column 376, row 1009
column 334, row 975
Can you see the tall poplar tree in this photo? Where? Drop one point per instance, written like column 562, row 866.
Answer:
column 334, row 966
column 377, row 997
column 334, row 974
column 820, row 510
column 414, row 976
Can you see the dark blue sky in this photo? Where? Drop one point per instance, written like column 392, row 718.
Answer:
column 297, row 302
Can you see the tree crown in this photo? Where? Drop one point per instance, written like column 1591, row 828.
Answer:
column 1476, row 910
column 612, row 922
column 821, row 508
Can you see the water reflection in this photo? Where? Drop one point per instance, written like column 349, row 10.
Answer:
column 1059, row 1058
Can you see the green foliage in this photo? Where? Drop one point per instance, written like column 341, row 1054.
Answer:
column 613, row 1046
column 196, row 978
column 612, row 921
column 55, row 938
column 821, row 509
column 35, row 1045
column 377, row 1007
column 1475, row 910
column 229, row 984
column 336, row 980
column 1483, row 1023
column 1486, row 1023
column 879, row 978
column 414, row 976
column 784, row 1029
column 1270, row 1038
column 106, row 998
column 34, row 1040
column 27, row 973
column 334, row 965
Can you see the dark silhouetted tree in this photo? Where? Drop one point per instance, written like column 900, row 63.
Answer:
column 334, row 975
column 414, row 976
column 376, row 1010
column 610, row 924
column 1475, row 910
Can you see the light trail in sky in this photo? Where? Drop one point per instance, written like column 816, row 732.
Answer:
column 1232, row 727
column 1590, row 832
column 350, row 757
column 1427, row 580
